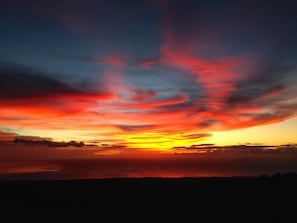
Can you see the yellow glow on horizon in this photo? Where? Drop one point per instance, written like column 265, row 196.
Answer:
column 273, row 134
column 159, row 141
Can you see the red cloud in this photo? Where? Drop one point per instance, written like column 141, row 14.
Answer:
column 56, row 104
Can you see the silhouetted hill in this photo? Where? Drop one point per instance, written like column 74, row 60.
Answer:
column 242, row 199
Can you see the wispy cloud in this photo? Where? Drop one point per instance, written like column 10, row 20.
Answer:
column 234, row 150
column 147, row 63
column 135, row 127
column 114, row 60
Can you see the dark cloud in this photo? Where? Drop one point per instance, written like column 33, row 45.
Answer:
column 268, row 116
column 31, row 90
column 209, row 122
column 266, row 81
column 237, row 149
column 37, row 141
column 31, row 138
column 135, row 127
column 19, row 83
column 203, row 146
column 197, row 136
column 249, row 92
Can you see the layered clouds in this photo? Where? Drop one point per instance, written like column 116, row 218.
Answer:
column 151, row 74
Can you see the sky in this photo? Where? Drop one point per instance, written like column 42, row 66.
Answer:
column 211, row 82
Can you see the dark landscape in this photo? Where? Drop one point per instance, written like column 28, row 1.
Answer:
column 243, row 199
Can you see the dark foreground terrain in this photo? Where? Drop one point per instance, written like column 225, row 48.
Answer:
column 240, row 199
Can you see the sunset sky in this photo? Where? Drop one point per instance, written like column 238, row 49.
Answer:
column 151, row 77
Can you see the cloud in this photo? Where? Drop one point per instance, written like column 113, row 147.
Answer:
column 264, row 83
column 197, row 136
column 209, row 123
column 32, row 93
column 147, row 63
column 254, row 92
column 33, row 141
column 139, row 95
column 135, row 127
column 25, row 84
column 179, row 99
column 229, row 150
column 252, row 88
column 215, row 67
column 114, row 60
column 266, row 96
column 36, row 140
column 235, row 150
column 216, row 73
